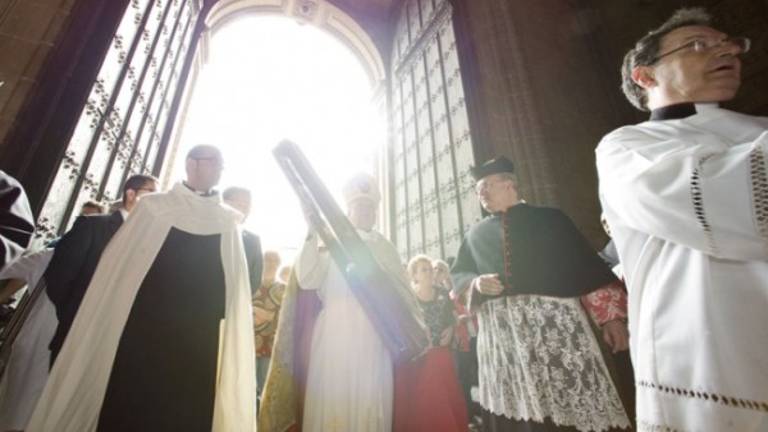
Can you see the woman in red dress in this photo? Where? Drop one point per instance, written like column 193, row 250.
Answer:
column 428, row 396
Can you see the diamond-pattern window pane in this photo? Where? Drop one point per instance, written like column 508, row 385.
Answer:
column 127, row 109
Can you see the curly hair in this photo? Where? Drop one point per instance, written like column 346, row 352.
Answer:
column 415, row 261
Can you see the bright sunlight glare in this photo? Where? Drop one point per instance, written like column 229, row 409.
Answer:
column 269, row 78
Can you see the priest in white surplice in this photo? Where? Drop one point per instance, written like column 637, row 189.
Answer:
column 686, row 197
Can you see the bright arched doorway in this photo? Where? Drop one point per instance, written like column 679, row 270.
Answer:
column 267, row 77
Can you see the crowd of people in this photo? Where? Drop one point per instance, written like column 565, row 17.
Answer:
column 166, row 315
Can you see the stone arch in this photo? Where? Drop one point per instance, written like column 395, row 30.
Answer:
column 319, row 13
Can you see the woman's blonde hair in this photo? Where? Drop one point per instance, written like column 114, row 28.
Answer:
column 415, row 261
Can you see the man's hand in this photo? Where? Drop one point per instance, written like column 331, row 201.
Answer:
column 488, row 284
column 616, row 335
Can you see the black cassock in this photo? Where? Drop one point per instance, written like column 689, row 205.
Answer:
column 164, row 374
column 534, row 250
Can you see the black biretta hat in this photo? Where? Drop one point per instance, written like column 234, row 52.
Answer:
column 493, row 166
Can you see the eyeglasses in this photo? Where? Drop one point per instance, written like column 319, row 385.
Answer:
column 706, row 44
column 485, row 185
column 218, row 162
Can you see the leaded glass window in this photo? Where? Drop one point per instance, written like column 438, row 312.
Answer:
column 119, row 130
column 434, row 202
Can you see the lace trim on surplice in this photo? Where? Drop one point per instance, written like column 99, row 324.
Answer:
column 643, row 426
column 759, row 181
column 539, row 358
column 729, row 401
column 697, row 199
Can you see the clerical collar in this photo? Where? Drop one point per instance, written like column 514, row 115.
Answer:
column 519, row 204
column 673, row 112
column 209, row 193
column 679, row 111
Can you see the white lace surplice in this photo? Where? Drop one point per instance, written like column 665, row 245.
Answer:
column 538, row 357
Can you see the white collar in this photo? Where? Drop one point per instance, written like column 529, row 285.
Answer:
column 182, row 189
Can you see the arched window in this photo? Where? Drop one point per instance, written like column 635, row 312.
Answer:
column 434, row 201
column 126, row 114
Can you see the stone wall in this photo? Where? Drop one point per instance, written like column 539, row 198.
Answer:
column 42, row 119
column 28, row 30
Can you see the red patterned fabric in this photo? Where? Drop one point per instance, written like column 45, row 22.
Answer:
column 607, row 303
column 428, row 396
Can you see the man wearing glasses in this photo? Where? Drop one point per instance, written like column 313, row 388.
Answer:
column 686, row 197
column 163, row 339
